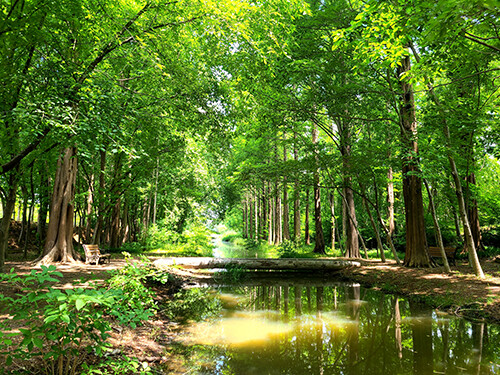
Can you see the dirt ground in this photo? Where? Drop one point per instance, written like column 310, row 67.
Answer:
column 460, row 293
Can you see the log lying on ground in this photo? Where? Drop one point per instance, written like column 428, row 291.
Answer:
column 258, row 264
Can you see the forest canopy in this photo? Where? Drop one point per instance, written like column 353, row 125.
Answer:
column 341, row 124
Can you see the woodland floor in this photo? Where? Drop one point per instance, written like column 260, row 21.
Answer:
column 460, row 292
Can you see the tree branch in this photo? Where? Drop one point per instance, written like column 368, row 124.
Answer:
column 16, row 160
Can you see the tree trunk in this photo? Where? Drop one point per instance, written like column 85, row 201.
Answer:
column 416, row 243
column 44, row 205
column 250, row 218
column 332, row 211
column 319, row 245
column 472, row 213
column 88, row 209
column 296, row 200
column 375, row 230
column 100, row 217
column 390, row 203
column 286, row 213
column 352, row 243
column 270, row 215
column 245, row 218
column 59, row 243
column 115, row 225
column 8, row 209
column 155, row 199
column 306, row 220
column 437, row 228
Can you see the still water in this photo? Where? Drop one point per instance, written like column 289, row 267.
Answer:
column 302, row 326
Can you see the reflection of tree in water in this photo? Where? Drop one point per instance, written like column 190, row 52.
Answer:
column 350, row 330
column 421, row 328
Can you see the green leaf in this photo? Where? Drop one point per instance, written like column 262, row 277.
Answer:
column 80, row 303
column 38, row 342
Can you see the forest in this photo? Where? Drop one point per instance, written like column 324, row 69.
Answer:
column 290, row 128
column 343, row 124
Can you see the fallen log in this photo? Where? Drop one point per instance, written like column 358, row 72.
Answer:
column 258, row 264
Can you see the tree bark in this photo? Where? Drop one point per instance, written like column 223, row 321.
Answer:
column 332, row 211
column 390, row 203
column 115, row 225
column 100, row 217
column 437, row 228
column 473, row 213
column 59, row 243
column 319, row 238
column 8, row 209
column 307, row 236
column 375, row 230
column 416, row 243
column 296, row 200
column 286, row 213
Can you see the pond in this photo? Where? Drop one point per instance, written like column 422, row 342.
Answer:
column 282, row 324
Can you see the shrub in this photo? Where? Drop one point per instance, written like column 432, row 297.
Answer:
column 289, row 249
column 59, row 324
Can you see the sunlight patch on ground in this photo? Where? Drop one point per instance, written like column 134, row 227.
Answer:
column 434, row 276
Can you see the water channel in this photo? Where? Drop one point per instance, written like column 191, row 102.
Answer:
column 282, row 323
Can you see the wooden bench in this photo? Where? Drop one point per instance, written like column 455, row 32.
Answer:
column 451, row 253
column 94, row 255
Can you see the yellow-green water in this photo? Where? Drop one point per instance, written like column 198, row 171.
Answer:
column 290, row 326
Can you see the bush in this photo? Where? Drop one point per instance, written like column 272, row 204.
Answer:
column 290, row 249
column 59, row 324
column 195, row 241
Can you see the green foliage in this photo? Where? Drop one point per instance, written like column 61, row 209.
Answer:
column 117, row 366
column 59, row 323
column 192, row 304
column 289, row 249
column 230, row 236
column 194, row 241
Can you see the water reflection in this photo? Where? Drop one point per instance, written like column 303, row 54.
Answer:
column 297, row 328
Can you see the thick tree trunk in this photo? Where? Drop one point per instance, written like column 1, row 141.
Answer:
column 59, row 243
column 416, row 243
column 352, row 243
column 8, row 209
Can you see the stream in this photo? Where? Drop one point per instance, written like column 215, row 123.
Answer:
column 293, row 323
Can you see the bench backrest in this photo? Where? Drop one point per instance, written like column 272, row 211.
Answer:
column 435, row 251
